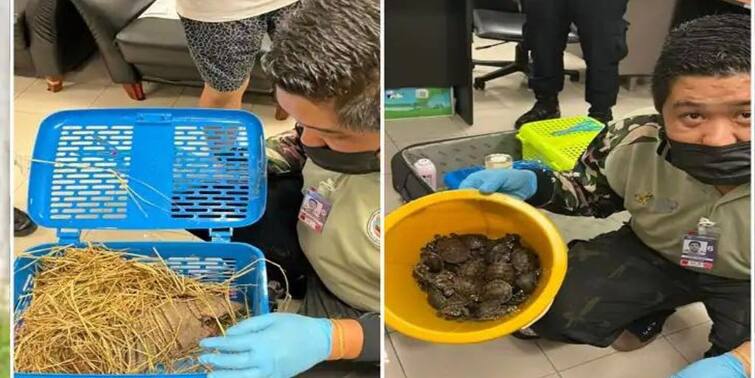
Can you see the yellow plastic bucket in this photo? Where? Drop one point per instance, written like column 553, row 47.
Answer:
column 411, row 226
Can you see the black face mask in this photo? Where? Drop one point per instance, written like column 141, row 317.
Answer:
column 726, row 165
column 352, row 163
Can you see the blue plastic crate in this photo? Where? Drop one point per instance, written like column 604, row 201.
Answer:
column 152, row 169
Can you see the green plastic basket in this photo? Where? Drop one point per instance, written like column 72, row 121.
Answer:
column 558, row 143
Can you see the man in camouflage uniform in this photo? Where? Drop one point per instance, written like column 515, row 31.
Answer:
column 325, row 65
column 683, row 175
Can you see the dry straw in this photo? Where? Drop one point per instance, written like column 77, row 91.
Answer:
column 95, row 310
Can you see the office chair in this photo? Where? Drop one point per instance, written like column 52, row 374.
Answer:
column 504, row 21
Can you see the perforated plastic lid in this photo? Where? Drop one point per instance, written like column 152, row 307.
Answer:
column 148, row 169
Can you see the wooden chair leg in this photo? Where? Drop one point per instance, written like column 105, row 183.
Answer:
column 54, row 83
column 135, row 91
column 280, row 114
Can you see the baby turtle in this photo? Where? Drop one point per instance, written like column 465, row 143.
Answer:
column 518, row 297
column 473, row 268
column 454, row 311
column 436, row 298
column 422, row 275
column 527, row 281
column 445, row 282
column 455, row 307
column 524, row 261
column 470, row 277
column 491, row 310
column 498, row 252
column 497, row 290
column 475, row 241
column 512, row 240
column 432, row 260
column 452, row 250
column 467, row 288
column 500, row 271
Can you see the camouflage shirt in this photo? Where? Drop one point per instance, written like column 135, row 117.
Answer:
column 285, row 153
column 585, row 190
column 625, row 168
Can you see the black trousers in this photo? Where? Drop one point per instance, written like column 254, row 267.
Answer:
column 275, row 233
column 615, row 280
column 602, row 34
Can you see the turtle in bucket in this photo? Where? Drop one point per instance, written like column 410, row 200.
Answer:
column 473, row 277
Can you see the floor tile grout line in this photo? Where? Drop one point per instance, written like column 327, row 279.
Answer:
column 540, row 348
column 687, row 328
column 390, row 140
column 29, row 112
column 550, row 375
column 178, row 96
column 398, row 358
column 676, row 349
column 91, row 104
column 34, row 81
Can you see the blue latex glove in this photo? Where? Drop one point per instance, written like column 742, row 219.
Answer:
column 516, row 182
column 723, row 366
column 274, row 345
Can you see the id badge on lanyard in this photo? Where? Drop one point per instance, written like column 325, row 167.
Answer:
column 699, row 247
column 314, row 210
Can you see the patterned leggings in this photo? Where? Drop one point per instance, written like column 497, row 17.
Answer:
column 225, row 52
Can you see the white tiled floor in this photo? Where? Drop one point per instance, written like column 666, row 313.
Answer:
column 88, row 88
column 684, row 338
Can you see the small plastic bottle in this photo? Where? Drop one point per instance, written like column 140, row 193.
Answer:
column 426, row 170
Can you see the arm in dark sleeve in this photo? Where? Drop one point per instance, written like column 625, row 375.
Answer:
column 372, row 329
column 585, row 190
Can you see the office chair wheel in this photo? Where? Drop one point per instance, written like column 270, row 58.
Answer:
column 479, row 84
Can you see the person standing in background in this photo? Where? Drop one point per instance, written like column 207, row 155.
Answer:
column 602, row 36
column 224, row 40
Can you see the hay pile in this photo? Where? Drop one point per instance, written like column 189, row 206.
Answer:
column 95, row 311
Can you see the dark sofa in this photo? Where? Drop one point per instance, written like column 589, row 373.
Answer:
column 49, row 39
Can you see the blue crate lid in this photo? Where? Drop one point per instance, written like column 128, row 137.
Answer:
column 148, row 169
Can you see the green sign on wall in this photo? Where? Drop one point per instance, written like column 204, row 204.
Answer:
column 418, row 102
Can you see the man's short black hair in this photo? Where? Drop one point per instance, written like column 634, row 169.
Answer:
column 330, row 50
column 716, row 45
column 697, row 243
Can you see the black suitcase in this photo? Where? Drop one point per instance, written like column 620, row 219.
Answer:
column 448, row 155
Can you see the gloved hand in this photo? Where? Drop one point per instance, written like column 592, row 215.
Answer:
column 274, row 345
column 520, row 183
column 723, row 366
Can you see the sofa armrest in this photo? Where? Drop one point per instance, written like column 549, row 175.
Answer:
column 105, row 18
column 58, row 37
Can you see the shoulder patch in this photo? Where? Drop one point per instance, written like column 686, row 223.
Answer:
column 373, row 228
